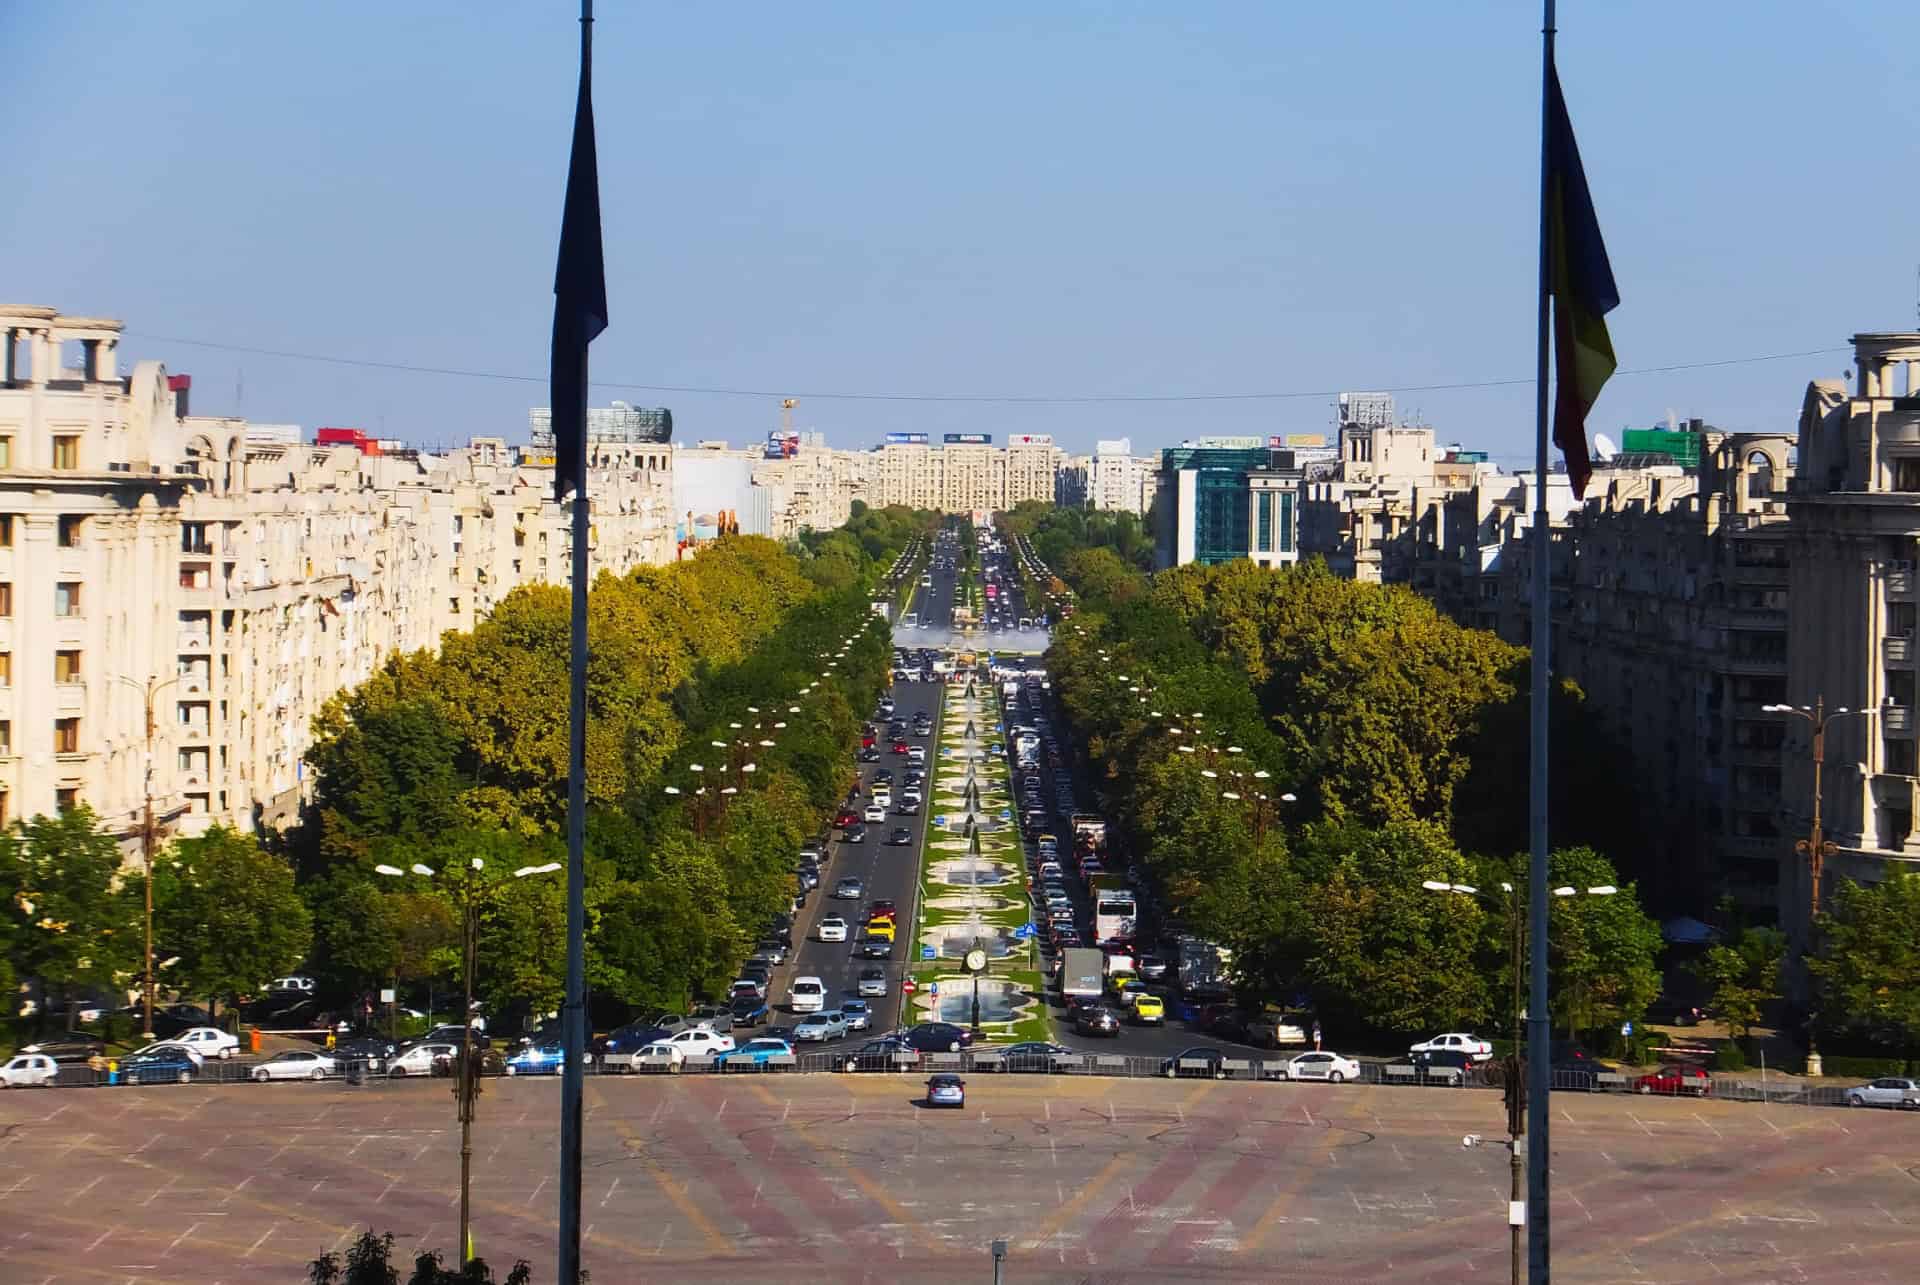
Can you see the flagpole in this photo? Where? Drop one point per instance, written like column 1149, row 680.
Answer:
column 1538, row 1033
column 573, row 1016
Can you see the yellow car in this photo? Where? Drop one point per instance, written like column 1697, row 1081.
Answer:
column 1149, row 1010
column 880, row 928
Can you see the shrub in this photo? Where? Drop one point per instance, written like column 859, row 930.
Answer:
column 1729, row 1057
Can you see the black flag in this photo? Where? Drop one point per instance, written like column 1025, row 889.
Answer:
column 580, row 298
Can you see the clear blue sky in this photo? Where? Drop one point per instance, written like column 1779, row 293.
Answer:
column 989, row 198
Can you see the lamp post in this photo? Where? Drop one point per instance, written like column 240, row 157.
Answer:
column 466, row 1091
column 152, row 688
column 1515, row 1095
column 1815, row 847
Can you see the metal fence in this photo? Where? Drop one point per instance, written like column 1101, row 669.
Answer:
column 847, row 1058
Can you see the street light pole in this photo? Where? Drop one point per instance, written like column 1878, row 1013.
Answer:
column 152, row 688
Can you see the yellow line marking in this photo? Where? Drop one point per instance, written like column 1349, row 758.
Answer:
column 1061, row 1216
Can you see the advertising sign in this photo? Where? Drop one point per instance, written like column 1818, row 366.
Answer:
column 906, row 439
column 968, row 439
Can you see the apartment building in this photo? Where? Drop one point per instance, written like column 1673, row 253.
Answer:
column 228, row 584
column 1119, row 479
column 965, row 473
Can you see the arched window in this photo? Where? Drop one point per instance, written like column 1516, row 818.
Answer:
column 1759, row 476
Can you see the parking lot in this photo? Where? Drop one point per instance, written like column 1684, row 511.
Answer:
column 849, row 1178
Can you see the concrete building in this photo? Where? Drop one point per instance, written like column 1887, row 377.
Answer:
column 1205, row 501
column 965, row 473
column 1849, row 572
column 233, row 581
column 1071, row 489
column 1119, row 479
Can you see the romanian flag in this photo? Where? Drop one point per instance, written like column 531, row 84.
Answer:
column 1581, row 282
column 580, row 297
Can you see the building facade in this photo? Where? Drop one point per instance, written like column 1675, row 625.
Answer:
column 1119, row 479
column 153, row 562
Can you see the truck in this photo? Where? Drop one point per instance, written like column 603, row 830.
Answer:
column 1089, row 833
column 1082, row 973
column 1203, row 970
column 1115, row 908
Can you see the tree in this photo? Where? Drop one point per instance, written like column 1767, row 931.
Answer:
column 73, row 920
column 232, row 915
column 1744, row 975
column 1868, row 964
column 369, row 1261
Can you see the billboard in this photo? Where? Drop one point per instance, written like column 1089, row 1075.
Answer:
column 1030, row 439
column 968, row 439
column 782, row 445
column 906, row 439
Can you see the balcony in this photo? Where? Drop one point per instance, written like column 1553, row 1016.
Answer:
column 1900, row 585
column 1896, row 649
column 1761, row 574
column 1896, row 720
column 192, row 730
column 194, row 639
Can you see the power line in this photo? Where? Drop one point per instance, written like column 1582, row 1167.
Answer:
column 1081, row 399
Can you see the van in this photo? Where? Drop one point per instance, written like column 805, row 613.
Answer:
column 806, row 995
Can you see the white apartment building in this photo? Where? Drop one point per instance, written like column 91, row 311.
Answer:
column 156, row 561
column 965, row 473
column 1118, row 479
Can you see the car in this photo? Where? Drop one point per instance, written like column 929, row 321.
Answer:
column 756, row 987
column 1127, row 989
column 1201, row 1060
column 1894, row 1091
column 29, row 1070
column 772, row 953
column 421, row 1059
column 869, row 754
column 1037, row 1056
column 294, row 1064
column 832, row 928
column 845, row 817
column 881, row 928
column 756, row 1054
column 852, row 888
column 158, row 1066
column 883, row 777
column 854, row 834
column 807, row 995
column 917, row 754
column 169, row 1047
column 909, row 806
column 1319, row 1065
column 858, row 1013
column 700, row 1043
column 1675, row 1078
column 1149, row 1010
column 827, row 1024
column 901, row 837
column 1456, row 1067
column 1271, row 1028
column 872, row 983
column 939, row 1037
column 538, row 1059
column 880, row 1055
column 1096, row 1019
column 719, row 1017
column 71, row 1048
column 946, row 1090
column 1457, row 1042
column 749, row 1010
column 369, row 1052
column 873, row 948
column 1152, row 967
column 450, row 1033
column 808, row 877
column 876, row 812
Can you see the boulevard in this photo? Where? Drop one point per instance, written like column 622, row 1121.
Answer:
column 849, row 1178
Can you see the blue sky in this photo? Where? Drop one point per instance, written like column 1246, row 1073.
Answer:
column 1058, row 199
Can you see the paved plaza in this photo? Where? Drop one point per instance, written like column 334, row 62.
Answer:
column 846, row 1178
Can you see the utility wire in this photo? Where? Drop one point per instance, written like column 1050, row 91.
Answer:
column 970, row 398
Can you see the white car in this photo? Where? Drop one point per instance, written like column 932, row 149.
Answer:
column 1330, row 1067
column 1895, row 1091
column 700, row 1042
column 29, row 1070
column 807, row 995
column 832, row 928
column 875, row 812
column 1456, row 1042
column 209, row 1041
column 419, row 1059
column 295, row 1064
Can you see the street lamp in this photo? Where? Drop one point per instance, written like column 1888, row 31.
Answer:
column 467, row 1092
column 1815, row 847
column 152, row 688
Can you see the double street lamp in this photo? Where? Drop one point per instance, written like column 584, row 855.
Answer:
column 466, row 1093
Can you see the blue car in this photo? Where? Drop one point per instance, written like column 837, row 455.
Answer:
column 754, row 1054
column 537, row 1059
column 946, row 1091
column 166, row 1066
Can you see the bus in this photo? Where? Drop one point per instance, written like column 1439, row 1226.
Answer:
column 1114, row 909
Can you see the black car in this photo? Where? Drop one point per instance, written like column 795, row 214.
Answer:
column 1202, row 1061
column 877, row 1055
column 68, row 1047
column 1444, row 1066
column 900, row 838
column 870, row 755
column 1035, row 1056
column 873, row 948
column 163, row 1066
column 883, row 777
column 855, row 833
column 808, row 877
column 372, row 1050
column 175, row 1018
column 1096, row 1019
column 907, row 808
column 748, row 1010
column 446, row 1033
column 1230, row 1025
column 939, row 1037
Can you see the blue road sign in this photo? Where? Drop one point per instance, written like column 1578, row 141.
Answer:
column 928, row 952
column 933, row 988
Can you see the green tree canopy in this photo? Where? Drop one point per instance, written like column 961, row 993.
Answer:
column 1868, row 963
column 232, row 916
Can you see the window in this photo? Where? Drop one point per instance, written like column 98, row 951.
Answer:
column 6, row 669
column 193, row 538
column 66, row 666
column 6, row 526
column 6, row 452
column 6, row 737
column 70, row 524
column 1906, row 474
column 6, row 598
column 66, row 736
column 66, row 598
column 66, row 798
column 66, row 451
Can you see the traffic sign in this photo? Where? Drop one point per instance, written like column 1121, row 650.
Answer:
column 933, row 988
column 906, row 984
column 928, row 952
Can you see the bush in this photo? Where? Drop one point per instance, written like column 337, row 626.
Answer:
column 1729, row 1057
column 1866, row 1068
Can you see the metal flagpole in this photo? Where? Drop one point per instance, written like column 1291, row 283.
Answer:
column 1538, row 1032
column 573, row 1016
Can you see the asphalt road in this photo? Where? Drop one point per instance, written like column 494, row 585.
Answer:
column 847, row 1178
column 888, row 872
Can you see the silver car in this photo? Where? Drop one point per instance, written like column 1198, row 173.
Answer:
column 828, row 1025
column 1893, row 1091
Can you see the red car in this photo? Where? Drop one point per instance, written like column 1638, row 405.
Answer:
column 881, row 908
column 845, row 817
column 899, row 747
column 1675, row 1078
column 866, row 741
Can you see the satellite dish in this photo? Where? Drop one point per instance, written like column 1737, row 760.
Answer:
column 1603, row 447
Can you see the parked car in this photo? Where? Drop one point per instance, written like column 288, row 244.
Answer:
column 538, row 1059
column 700, row 1042
column 828, row 1024
column 1456, row 1042
column 879, row 1055
column 754, row 1054
column 210, row 1041
column 161, row 1066
column 1444, row 1066
column 1034, row 1056
column 29, row 1070
column 1330, row 1067
column 1201, row 1060
column 939, row 1037
column 294, row 1064
column 1675, row 1078
column 421, row 1058
column 1271, row 1028
column 1887, row 1091
column 946, row 1090
column 75, row 1048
